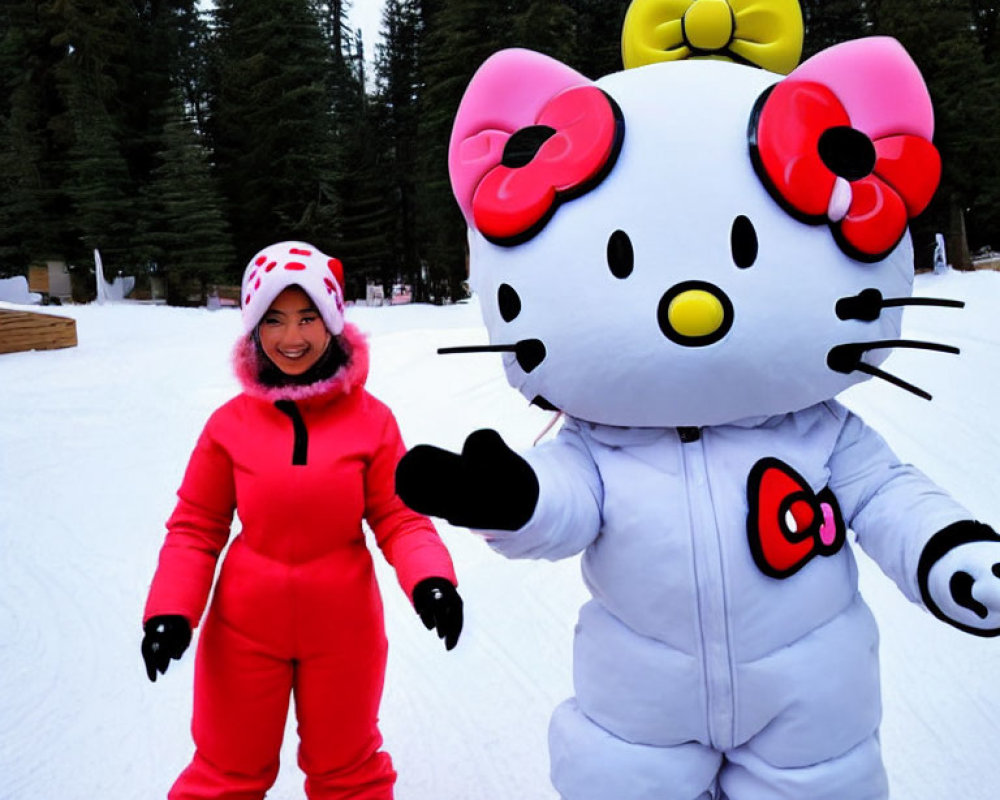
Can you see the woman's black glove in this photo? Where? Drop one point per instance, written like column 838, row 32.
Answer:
column 487, row 486
column 166, row 637
column 439, row 606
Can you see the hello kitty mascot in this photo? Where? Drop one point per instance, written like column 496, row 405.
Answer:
column 691, row 259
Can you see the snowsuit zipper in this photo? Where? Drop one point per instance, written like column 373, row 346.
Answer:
column 300, row 446
column 712, row 601
column 689, row 434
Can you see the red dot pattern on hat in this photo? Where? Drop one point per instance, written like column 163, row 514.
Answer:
column 337, row 269
column 265, row 263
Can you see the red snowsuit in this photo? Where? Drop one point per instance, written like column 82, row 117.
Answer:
column 296, row 606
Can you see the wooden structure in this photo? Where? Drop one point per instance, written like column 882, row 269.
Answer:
column 989, row 261
column 51, row 280
column 28, row 330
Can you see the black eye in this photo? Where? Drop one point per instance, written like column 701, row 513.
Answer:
column 743, row 241
column 621, row 259
column 847, row 152
column 508, row 301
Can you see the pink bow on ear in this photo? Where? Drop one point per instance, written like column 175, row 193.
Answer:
column 845, row 140
column 529, row 133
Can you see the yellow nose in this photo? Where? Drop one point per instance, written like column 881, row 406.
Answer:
column 708, row 24
column 695, row 313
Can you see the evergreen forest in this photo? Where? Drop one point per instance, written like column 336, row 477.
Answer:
column 180, row 136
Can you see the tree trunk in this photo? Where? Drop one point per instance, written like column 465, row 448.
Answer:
column 956, row 242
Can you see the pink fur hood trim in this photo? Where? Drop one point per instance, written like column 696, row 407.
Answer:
column 247, row 364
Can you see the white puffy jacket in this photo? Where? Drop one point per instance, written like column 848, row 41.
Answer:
column 686, row 639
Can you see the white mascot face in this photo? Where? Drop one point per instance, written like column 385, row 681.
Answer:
column 695, row 243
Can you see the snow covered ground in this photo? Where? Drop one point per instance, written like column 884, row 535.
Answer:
column 93, row 443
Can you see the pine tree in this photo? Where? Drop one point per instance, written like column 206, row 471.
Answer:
column 185, row 232
column 93, row 80
column 35, row 138
column 192, row 57
column 598, row 36
column 829, row 22
column 940, row 36
column 332, row 16
column 367, row 203
column 395, row 118
column 99, row 189
column 159, row 56
column 459, row 36
column 270, row 124
column 986, row 19
column 546, row 26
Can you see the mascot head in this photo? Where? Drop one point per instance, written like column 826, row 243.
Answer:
column 698, row 241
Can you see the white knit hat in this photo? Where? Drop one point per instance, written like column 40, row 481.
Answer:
column 285, row 264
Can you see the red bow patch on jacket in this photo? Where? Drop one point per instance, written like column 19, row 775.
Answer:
column 788, row 523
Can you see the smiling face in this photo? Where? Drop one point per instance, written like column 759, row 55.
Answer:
column 292, row 333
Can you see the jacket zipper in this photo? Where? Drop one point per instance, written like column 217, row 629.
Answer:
column 300, row 445
column 711, row 589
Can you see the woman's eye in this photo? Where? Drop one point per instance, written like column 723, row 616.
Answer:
column 307, row 320
column 271, row 321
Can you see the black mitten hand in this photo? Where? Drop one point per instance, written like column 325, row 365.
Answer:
column 166, row 637
column 439, row 606
column 488, row 486
column 959, row 577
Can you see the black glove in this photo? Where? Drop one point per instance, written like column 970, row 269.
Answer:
column 487, row 486
column 166, row 637
column 439, row 606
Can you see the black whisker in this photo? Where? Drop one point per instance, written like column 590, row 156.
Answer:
column 528, row 352
column 884, row 344
column 868, row 304
column 875, row 372
column 485, row 348
column 846, row 358
column 922, row 301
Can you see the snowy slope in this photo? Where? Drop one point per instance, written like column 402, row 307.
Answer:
column 93, row 443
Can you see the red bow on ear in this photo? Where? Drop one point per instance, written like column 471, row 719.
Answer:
column 576, row 139
column 845, row 140
column 529, row 133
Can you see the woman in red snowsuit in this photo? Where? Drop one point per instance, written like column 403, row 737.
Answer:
column 303, row 455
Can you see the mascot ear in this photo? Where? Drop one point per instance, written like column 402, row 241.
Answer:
column 530, row 132
column 845, row 140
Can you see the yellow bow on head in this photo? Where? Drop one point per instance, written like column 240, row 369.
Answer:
column 765, row 33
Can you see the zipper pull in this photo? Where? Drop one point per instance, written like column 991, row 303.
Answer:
column 300, row 442
column 689, row 434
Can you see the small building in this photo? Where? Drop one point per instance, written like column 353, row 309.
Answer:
column 374, row 294
column 51, row 280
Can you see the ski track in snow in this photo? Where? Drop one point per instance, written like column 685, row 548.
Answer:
column 94, row 441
